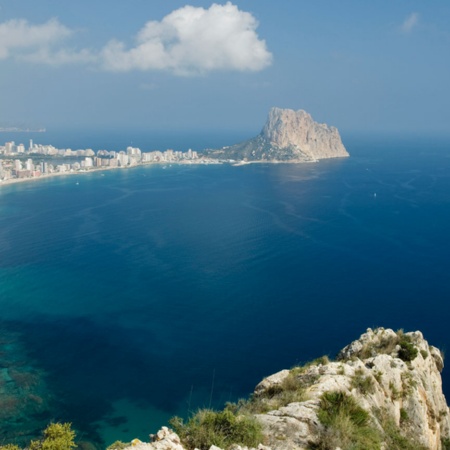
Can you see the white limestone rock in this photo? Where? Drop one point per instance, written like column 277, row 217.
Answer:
column 397, row 387
column 165, row 439
column 271, row 382
column 286, row 128
column 288, row 136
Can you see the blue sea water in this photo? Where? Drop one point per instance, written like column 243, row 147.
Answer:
column 143, row 293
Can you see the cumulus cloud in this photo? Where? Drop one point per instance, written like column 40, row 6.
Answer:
column 193, row 40
column 20, row 37
column 188, row 41
column 410, row 23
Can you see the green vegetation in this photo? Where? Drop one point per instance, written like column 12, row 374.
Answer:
column 408, row 350
column 234, row 425
column 9, row 447
column 393, row 436
column 387, row 345
column 57, row 436
column 377, row 374
column 404, row 417
column 118, row 445
column 424, row 354
column 222, row 429
column 347, row 425
column 445, row 443
column 364, row 384
column 395, row 393
column 408, row 384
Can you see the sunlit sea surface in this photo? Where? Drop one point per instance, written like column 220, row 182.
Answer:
column 129, row 296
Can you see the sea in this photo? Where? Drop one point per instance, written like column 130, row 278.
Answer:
column 130, row 296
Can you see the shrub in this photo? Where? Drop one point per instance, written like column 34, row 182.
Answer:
column 9, row 447
column 395, row 440
column 378, row 375
column 395, row 393
column 337, row 403
column 394, row 437
column 322, row 360
column 291, row 389
column 364, row 384
column 222, row 429
column 57, row 436
column 347, row 425
column 408, row 350
column 408, row 384
column 403, row 415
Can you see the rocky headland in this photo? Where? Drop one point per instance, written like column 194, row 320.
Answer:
column 287, row 136
column 383, row 391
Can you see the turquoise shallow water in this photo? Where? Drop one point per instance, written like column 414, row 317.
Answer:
column 139, row 294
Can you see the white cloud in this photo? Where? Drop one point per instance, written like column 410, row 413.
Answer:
column 193, row 40
column 20, row 37
column 188, row 41
column 59, row 57
column 410, row 23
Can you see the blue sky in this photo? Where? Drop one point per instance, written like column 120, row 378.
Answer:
column 175, row 65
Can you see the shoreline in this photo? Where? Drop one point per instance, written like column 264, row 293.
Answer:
column 197, row 162
column 12, row 181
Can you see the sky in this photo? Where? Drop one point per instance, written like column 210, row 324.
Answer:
column 170, row 65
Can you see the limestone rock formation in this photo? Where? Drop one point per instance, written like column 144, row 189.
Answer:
column 390, row 382
column 288, row 136
column 395, row 378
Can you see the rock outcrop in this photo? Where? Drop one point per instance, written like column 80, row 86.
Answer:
column 386, row 384
column 288, row 136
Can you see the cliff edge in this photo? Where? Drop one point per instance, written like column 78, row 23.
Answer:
column 288, row 136
column 383, row 391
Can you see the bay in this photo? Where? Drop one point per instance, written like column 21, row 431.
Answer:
column 143, row 293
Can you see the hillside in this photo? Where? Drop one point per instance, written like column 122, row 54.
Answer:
column 383, row 391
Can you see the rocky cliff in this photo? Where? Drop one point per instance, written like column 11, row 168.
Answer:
column 383, row 392
column 288, row 136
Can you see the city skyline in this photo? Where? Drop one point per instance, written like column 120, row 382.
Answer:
column 173, row 65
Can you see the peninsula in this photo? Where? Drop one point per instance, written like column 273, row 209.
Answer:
column 287, row 137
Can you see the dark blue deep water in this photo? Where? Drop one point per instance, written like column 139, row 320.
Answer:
column 134, row 295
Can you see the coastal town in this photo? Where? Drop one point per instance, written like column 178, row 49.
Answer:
column 20, row 163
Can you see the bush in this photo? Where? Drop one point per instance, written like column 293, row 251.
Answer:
column 364, row 384
column 9, row 447
column 222, row 429
column 395, row 440
column 404, row 417
column 408, row 350
column 57, row 436
column 333, row 404
column 347, row 425
column 291, row 389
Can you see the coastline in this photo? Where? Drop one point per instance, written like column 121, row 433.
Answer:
column 233, row 163
column 11, row 181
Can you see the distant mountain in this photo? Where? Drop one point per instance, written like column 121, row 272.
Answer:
column 287, row 136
